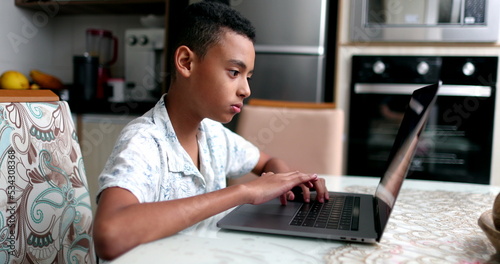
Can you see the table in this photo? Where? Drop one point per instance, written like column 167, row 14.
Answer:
column 432, row 222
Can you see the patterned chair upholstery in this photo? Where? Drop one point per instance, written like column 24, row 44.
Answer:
column 45, row 212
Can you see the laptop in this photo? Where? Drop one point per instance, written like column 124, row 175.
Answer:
column 346, row 216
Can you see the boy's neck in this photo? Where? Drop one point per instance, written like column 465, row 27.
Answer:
column 185, row 127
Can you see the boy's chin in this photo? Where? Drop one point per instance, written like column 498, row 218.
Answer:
column 224, row 120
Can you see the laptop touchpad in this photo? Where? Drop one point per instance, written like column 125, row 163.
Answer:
column 273, row 207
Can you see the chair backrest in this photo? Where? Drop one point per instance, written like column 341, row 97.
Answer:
column 45, row 212
column 308, row 136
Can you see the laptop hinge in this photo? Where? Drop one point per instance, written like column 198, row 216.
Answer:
column 376, row 212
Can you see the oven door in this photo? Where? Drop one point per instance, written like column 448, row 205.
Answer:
column 456, row 144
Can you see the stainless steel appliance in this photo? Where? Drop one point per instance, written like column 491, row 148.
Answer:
column 457, row 143
column 425, row 20
column 144, row 53
column 291, row 48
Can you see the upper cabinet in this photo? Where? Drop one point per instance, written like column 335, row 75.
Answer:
column 71, row 7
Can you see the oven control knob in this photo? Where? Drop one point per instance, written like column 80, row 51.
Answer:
column 132, row 40
column 423, row 68
column 468, row 69
column 378, row 67
column 143, row 40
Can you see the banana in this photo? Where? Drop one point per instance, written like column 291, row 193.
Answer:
column 45, row 80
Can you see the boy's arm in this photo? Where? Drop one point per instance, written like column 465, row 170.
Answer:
column 121, row 222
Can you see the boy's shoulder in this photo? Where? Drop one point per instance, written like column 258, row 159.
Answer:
column 145, row 126
column 154, row 119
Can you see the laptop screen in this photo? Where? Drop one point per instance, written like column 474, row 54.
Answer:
column 405, row 144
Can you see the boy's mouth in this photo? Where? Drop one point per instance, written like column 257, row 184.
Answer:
column 236, row 108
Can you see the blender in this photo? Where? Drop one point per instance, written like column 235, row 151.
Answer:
column 102, row 44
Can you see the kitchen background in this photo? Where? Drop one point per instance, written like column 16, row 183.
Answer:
column 47, row 40
column 466, row 46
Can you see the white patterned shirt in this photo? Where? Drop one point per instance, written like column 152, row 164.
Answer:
column 149, row 161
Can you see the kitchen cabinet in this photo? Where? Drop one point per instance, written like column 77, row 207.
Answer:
column 66, row 7
column 97, row 135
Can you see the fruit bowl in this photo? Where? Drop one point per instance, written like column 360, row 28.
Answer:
column 485, row 221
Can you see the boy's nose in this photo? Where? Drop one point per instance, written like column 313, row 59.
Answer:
column 244, row 90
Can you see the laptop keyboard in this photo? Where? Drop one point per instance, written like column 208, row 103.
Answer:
column 340, row 212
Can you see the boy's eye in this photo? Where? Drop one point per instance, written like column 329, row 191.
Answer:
column 234, row 73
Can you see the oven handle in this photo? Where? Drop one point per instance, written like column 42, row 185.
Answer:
column 407, row 89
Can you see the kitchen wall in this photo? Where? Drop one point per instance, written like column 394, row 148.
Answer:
column 47, row 40
column 24, row 44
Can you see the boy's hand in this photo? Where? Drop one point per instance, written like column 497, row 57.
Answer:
column 271, row 185
column 303, row 192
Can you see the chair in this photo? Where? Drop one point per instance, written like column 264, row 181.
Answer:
column 45, row 212
column 308, row 136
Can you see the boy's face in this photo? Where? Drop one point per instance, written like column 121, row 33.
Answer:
column 220, row 79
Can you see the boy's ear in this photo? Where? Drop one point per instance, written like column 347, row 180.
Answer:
column 183, row 58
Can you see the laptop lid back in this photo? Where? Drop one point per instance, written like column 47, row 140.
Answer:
column 403, row 149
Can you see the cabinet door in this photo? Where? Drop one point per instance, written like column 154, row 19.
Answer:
column 98, row 134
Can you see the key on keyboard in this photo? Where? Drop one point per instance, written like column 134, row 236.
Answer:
column 340, row 212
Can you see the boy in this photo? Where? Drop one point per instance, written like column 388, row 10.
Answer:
column 168, row 169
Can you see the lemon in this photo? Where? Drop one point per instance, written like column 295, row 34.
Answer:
column 14, row 80
column 34, row 86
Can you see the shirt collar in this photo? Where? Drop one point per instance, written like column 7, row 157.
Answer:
column 176, row 163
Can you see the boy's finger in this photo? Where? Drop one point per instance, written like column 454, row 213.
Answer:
column 283, row 199
column 306, row 193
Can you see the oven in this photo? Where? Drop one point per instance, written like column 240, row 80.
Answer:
column 457, row 142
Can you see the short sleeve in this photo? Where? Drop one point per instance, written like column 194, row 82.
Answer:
column 242, row 155
column 135, row 164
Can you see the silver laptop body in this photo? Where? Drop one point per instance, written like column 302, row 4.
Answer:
column 369, row 213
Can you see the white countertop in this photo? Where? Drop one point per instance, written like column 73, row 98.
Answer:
column 431, row 221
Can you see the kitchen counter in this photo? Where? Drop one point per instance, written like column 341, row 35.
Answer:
column 104, row 107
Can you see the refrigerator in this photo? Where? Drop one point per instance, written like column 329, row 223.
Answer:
column 291, row 52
